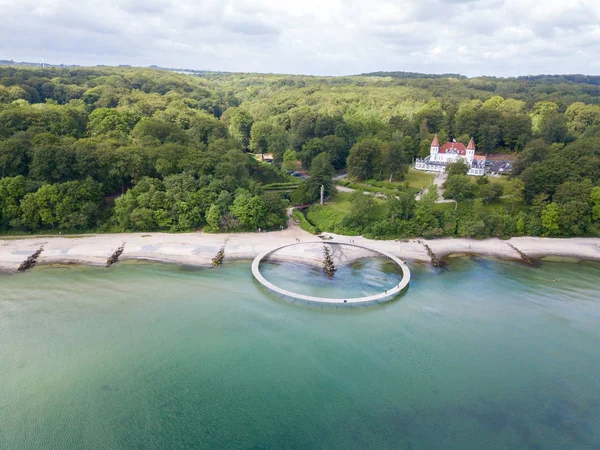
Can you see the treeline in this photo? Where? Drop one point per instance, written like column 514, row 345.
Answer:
column 116, row 149
column 182, row 143
column 551, row 197
column 412, row 75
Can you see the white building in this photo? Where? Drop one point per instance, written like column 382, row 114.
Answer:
column 451, row 152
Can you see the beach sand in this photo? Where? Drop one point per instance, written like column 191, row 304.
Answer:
column 198, row 249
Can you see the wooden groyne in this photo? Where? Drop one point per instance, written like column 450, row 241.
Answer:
column 219, row 257
column 328, row 265
column 435, row 261
column 524, row 257
column 112, row 259
column 30, row 261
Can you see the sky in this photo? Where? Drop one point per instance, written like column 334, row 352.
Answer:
column 317, row 37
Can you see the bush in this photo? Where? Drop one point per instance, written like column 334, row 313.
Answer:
column 291, row 184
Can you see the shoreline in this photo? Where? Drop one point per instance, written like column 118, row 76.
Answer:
column 198, row 249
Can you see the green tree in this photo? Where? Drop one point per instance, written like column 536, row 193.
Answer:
column 364, row 159
column 401, row 206
column 553, row 128
column 259, row 137
column 213, row 217
column 514, row 189
column 460, row 188
column 550, row 219
column 361, row 210
column 290, row 160
column 393, row 159
column 595, row 197
column 490, row 192
column 105, row 120
column 459, row 167
column 248, row 209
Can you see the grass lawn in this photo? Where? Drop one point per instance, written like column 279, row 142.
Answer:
column 502, row 180
column 445, row 206
column 504, row 204
column 417, row 179
column 329, row 217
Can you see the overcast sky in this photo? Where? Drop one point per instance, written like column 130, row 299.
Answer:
column 321, row 37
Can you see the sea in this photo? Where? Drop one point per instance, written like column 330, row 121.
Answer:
column 483, row 354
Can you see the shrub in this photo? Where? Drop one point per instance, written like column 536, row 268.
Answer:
column 304, row 223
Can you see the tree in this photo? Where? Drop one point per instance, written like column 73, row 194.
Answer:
column 459, row 167
column 277, row 143
column 290, row 160
column 302, row 125
column 401, row 206
column 490, row 192
column 550, row 219
column 460, row 188
column 332, row 145
column 12, row 190
column 105, row 120
column 361, row 210
column 249, row 210
column 259, row 137
column 425, row 218
column 310, row 150
column 595, row 197
column 514, row 189
column 213, row 217
column 572, row 198
column 516, row 130
column 153, row 131
column 13, row 156
column 553, row 128
column 393, row 158
column 276, row 214
column 240, row 125
column 364, row 159
column 321, row 174
column 52, row 160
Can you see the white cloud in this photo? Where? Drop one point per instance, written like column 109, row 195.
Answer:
column 333, row 37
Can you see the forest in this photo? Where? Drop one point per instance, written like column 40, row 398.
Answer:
column 128, row 149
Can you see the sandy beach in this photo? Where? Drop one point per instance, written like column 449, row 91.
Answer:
column 198, row 249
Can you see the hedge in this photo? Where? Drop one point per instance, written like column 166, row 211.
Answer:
column 304, row 223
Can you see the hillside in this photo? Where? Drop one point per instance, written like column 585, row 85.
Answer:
column 74, row 139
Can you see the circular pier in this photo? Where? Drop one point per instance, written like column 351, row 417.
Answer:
column 350, row 302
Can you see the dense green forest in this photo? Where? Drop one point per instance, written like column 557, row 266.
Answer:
column 127, row 149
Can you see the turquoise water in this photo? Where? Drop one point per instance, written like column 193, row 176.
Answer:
column 366, row 276
column 484, row 355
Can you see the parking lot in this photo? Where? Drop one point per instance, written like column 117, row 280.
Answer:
column 498, row 166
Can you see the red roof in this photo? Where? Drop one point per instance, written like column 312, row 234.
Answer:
column 454, row 147
column 471, row 145
column 436, row 142
column 479, row 157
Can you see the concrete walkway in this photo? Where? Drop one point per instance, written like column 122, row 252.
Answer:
column 351, row 302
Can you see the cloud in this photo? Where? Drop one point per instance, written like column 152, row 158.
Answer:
column 329, row 37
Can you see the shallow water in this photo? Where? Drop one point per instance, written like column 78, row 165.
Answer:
column 486, row 354
column 366, row 276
